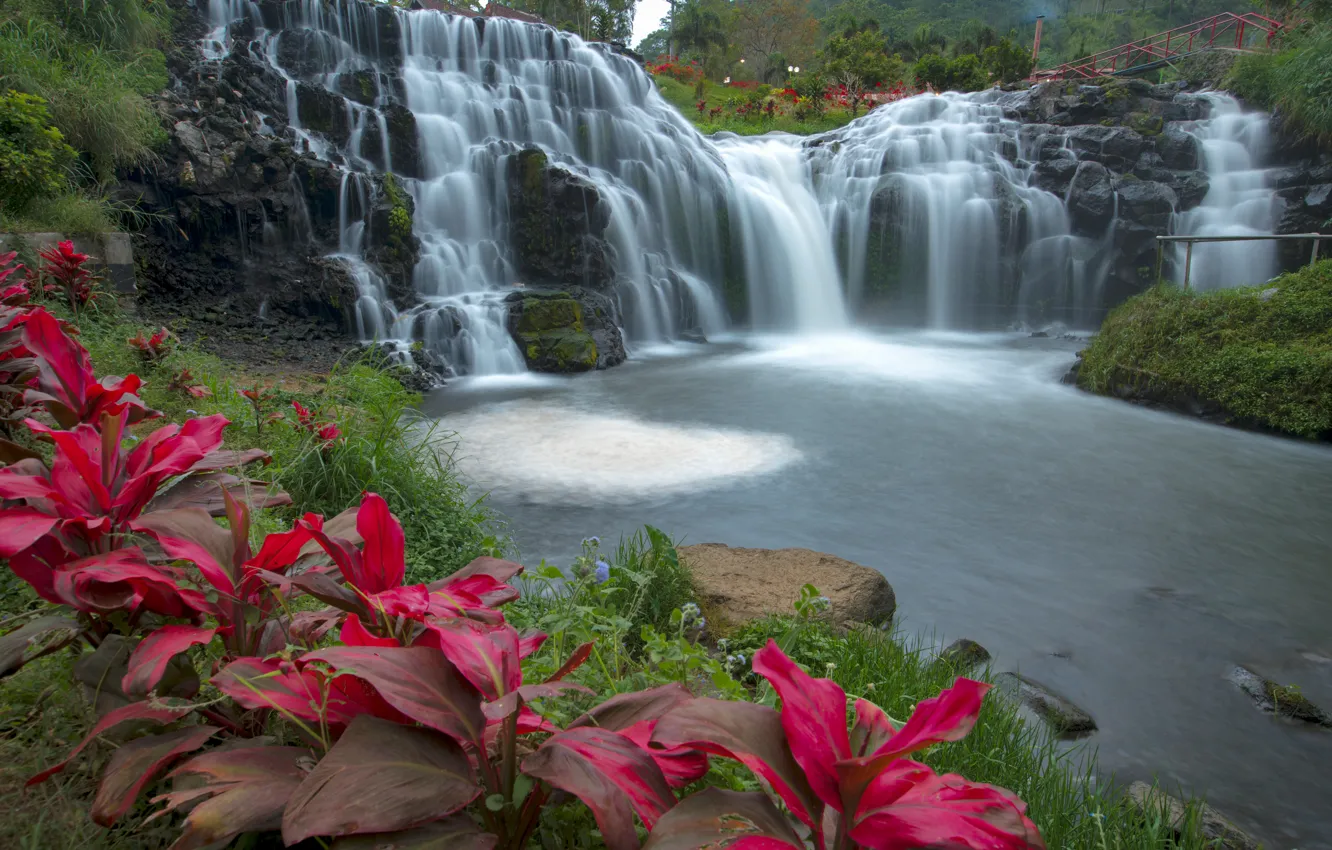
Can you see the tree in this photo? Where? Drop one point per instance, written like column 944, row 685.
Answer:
column 1008, row 62
column 699, row 26
column 863, row 54
column 765, row 28
column 654, row 44
column 965, row 73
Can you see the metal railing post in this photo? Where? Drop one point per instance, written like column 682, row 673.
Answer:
column 1160, row 258
column 1313, row 258
column 1188, row 261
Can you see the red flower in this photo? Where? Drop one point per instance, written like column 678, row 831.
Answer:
column 329, row 433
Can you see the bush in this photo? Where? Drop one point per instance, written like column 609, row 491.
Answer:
column 1008, row 62
column 1268, row 362
column 33, row 155
column 864, row 55
column 965, row 73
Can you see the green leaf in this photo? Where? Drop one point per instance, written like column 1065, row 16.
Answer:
column 495, row 802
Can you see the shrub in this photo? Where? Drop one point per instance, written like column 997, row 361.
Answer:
column 1265, row 360
column 34, row 158
column 1008, row 62
column 1296, row 81
column 864, row 55
column 964, row 73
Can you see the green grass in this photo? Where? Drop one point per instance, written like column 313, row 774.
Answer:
column 684, row 98
column 94, row 62
column 1296, row 80
column 1268, row 362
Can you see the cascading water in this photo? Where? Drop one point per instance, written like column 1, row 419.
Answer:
column 1239, row 201
column 923, row 205
column 930, row 212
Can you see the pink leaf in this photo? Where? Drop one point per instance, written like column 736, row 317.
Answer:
column 150, row 658
column 135, row 711
column 814, row 718
column 417, row 681
column 354, row 633
column 714, row 818
column 257, row 683
column 680, row 765
column 136, row 764
column 486, row 655
column 248, row 788
column 21, row 527
column 622, row 711
column 907, row 806
column 383, row 557
column 872, row 728
column 751, row 734
column 611, row 774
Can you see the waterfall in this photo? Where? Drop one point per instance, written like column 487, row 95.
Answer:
column 925, row 211
column 1239, row 200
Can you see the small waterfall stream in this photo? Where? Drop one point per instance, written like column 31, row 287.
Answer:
column 923, row 204
column 1239, row 201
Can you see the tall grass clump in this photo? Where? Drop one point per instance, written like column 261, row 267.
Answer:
column 1297, row 80
column 92, row 63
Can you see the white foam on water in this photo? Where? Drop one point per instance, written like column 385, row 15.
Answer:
column 558, row 454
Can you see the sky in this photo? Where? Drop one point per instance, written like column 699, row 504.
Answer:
column 647, row 17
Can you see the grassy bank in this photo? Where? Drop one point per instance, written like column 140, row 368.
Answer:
column 1296, row 80
column 1265, row 357
column 685, row 98
column 92, row 64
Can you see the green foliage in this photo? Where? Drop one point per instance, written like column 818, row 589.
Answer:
column 33, row 154
column 863, row 54
column 1297, row 80
column 965, row 73
column 1267, row 361
column 1007, row 62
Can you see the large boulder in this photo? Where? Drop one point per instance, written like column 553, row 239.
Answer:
column 572, row 330
column 1179, row 149
column 391, row 242
column 738, row 585
column 1116, row 147
column 557, row 225
column 1146, row 202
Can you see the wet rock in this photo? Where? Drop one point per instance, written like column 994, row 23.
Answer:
column 1091, row 198
column 1284, row 700
column 404, row 141
column 1117, row 147
column 1055, row 175
column 1146, row 202
column 304, row 53
column 1216, row 831
column 1178, row 149
column 323, row 112
column 1065, row 719
column 1070, row 378
column 391, row 242
column 361, row 86
column 737, row 585
column 964, row 654
column 1268, row 293
column 557, row 225
column 1189, row 186
column 573, row 330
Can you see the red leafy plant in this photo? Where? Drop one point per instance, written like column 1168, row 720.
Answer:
column 154, row 347
column 65, row 272
column 183, row 381
column 68, row 529
column 261, row 399
column 17, row 366
column 843, row 788
column 327, row 433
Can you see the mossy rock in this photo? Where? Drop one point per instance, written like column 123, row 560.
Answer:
column 1146, row 123
column 540, row 315
column 562, row 350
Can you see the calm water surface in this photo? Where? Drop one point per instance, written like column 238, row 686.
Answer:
column 1124, row 557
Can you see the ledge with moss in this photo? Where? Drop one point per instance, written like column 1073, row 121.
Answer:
column 1253, row 357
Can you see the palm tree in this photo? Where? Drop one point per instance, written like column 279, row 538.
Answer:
column 698, row 27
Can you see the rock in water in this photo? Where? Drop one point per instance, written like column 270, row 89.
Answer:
column 1285, row 700
column 1065, row 718
column 739, row 585
column 963, row 654
column 1153, row 803
column 571, row 330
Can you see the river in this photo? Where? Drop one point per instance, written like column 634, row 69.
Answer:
column 1125, row 557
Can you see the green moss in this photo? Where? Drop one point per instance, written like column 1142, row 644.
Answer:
column 548, row 314
column 1266, row 361
column 1146, row 123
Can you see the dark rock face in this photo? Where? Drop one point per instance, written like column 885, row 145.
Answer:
column 557, row 223
column 570, row 330
column 1091, row 199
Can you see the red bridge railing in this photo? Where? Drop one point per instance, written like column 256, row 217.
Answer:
column 1236, row 31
